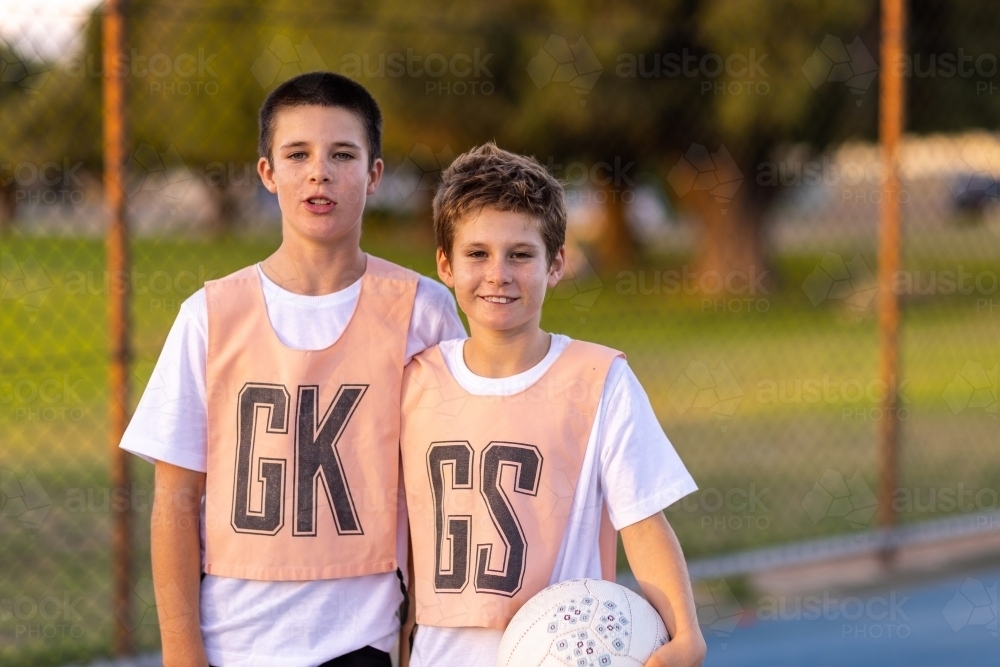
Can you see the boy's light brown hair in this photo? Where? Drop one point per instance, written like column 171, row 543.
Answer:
column 490, row 177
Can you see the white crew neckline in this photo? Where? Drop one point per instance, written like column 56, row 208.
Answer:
column 276, row 293
column 453, row 352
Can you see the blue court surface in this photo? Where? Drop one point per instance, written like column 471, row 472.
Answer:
column 948, row 623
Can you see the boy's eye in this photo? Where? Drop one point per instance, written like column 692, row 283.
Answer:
column 297, row 156
column 478, row 254
column 343, row 156
column 522, row 255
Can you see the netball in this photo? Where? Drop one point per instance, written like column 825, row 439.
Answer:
column 583, row 623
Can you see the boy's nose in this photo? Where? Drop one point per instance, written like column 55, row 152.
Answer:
column 498, row 273
column 320, row 172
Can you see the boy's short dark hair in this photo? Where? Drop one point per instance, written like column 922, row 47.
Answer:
column 490, row 177
column 325, row 89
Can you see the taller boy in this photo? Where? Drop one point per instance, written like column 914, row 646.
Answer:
column 276, row 396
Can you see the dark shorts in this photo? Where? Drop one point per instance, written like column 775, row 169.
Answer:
column 363, row 657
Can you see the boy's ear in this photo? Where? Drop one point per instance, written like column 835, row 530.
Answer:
column 557, row 268
column 375, row 175
column 444, row 268
column 266, row 173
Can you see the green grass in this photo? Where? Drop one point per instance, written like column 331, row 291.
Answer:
column 53, row 357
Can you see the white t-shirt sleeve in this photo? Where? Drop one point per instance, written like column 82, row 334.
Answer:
column 170, row 422
column 435, row 318
column 641, row 473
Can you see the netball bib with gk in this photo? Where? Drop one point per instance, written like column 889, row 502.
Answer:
column 303, row 459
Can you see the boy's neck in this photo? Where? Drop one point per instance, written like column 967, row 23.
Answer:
column 501, row 354
column 313, row 269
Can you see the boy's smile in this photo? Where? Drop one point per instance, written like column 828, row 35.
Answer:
column 499, row 270
column 320, row 171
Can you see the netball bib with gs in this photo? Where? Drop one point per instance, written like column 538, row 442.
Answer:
column 490, row 483
column 303, row 446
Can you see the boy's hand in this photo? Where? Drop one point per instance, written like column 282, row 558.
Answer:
column 658, row 565
column 681, row 651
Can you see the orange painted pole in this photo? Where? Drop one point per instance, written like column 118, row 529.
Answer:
column 118, row 318
column 891, row 119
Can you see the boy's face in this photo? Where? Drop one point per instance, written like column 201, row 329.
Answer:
column 499, row 270
column 320, row 172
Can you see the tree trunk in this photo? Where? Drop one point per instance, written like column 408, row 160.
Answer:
column 6, row 210
column 225, row 209
column 729, row 259
column 615, row 247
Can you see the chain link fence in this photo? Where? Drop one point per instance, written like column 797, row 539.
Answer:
column 724, row 184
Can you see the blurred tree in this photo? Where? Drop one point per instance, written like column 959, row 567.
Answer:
column 192, row 99
column 43, row 124
column 612, row 85
column 701, row 93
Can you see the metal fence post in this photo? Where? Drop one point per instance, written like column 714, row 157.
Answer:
column 891, row 112
column 118, row 314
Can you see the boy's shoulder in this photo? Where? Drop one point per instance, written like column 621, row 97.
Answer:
column 383, row 268
column 585, row 357
column 587, row 348
column 246, row 273
column 429, row 358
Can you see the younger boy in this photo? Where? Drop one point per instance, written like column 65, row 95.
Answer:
column 272, row 415
column 524, row 451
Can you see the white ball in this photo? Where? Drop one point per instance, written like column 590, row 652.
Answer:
column 582, row 623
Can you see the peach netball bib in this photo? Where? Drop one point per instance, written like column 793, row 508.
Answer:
column 490, row 483
column 303, row 446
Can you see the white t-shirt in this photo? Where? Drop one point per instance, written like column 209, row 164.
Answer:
column 277, row 623
column 629, row 463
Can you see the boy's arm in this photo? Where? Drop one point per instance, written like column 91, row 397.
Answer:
column 435, row 318
column 658, row 565
column 176, row 555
